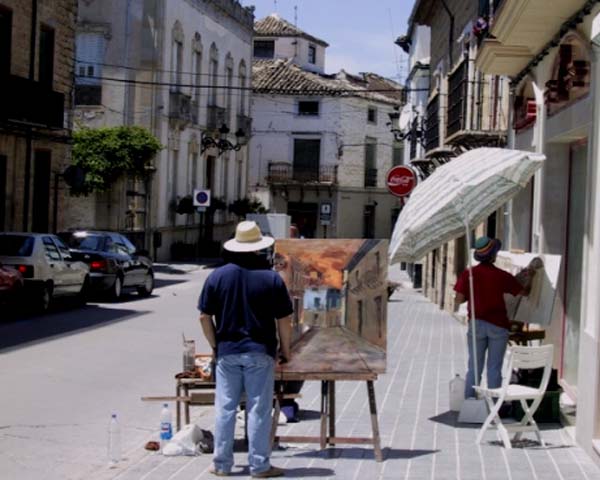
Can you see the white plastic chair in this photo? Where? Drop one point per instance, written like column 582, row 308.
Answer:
column 518, row 358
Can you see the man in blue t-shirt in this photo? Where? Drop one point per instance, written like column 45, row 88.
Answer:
column 250, row 305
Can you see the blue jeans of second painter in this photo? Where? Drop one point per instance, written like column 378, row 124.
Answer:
column 492, row 340
column 254, row 374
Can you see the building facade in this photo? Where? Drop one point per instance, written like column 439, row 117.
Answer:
column 181, row 69
column 321, row 144
column 552, row 63
column 37, row 40
column 466, row 108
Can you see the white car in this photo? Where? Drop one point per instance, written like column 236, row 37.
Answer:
column 46, row 265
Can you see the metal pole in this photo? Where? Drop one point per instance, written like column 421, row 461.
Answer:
column 472, row 301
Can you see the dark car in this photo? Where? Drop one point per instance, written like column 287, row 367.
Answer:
column 115, row 264
column 11, row 283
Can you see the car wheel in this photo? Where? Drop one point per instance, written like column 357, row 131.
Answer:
column 117, row 289
column 45, row 298
column 145, row 290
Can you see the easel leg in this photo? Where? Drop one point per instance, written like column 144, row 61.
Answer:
column 374, row 422
column 331, row 412
column 275, row 420
column 324, row 413
column 187, row 405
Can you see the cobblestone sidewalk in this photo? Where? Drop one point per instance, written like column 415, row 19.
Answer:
column 421, row 438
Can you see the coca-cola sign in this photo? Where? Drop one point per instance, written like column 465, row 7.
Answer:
column 401, row 180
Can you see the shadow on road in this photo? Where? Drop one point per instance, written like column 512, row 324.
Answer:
column 26, row 330
column 365, row 453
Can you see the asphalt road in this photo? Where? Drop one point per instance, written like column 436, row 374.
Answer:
column 63, row 374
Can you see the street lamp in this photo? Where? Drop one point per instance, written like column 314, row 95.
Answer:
column 221, row 142
column 414, row 133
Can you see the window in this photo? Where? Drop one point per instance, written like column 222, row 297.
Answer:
column 308, row 107
column 397, row 153
column 214, row 75
column 197, row 68
column 128, row 245
column 264, row 48
column 306, row 159
column 62, row 248
column 372, row 115
column 242, row 72
column 225, row 178
column 5, row 40
column 176, row 56
column 229, row 89
column 51, row 250
column 370, row 162
column 89, row 53
column 46, row 60
column 359, row 307
column 312, row 54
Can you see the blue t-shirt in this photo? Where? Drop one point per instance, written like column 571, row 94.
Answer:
column 245, row 304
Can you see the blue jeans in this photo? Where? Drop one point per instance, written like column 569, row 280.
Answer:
column 254, row 374
column 493, row 340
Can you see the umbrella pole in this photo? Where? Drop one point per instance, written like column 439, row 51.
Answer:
column 472, row 302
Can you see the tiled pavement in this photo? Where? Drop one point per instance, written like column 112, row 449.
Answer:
column 420, row 436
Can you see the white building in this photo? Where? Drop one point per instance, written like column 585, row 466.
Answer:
column 321, row 145
column 181, row 70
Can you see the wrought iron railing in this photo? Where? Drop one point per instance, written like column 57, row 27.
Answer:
column 286, row 173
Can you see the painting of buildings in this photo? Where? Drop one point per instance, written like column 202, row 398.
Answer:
column 339, row 291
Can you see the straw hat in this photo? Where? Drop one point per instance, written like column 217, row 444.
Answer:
column 248, row 239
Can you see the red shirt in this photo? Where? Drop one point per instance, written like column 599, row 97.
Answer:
column 489, row 286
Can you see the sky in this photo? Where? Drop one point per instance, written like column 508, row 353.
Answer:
column 360, row 34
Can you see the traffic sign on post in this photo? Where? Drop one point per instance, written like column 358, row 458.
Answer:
column 401, row 180
column 201, row 198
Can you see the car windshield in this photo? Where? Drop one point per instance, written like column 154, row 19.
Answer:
column 87, row 241
column 16, row 245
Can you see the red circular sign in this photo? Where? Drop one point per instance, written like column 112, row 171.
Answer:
column 401, row 180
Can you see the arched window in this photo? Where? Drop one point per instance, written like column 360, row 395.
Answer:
column 243, row 84
column 214, row 75
column 570, row 73
column 196, row 68
column 228, row 88
column 525, row 107
column 176, row 55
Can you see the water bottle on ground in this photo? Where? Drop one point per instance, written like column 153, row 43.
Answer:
column 457, row 393
column 114, row 440
column 166, row 428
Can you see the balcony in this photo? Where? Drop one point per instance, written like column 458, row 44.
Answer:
column 27, row 102
column 477, row 111
column 215, row 117
column 370, row 177
column 180, row 107
column 520, row 31
column 286, row 174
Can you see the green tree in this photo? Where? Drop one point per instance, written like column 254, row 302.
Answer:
column 106, row 154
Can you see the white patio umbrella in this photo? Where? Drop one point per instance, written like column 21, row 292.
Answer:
column 457, row 197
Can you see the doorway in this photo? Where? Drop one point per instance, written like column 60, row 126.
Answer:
column 2, row 192
column 573, row 266
column 41, row 191
column 304, row 216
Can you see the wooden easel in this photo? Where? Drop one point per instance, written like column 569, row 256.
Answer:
column 327, row 431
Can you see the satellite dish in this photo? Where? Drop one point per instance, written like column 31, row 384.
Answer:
column 405, row 117
column 74, row 176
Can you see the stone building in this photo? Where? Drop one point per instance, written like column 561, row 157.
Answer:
column 36, row 73
column 321, row 145
column 180, row 68
column 466, row 108
column 552, row 60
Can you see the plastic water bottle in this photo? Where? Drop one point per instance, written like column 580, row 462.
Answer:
column 166, row 428
column 457, row 393
column 114, row 440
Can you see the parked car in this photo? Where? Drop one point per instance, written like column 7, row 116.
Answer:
column 115, row 264
column 11, row 284
column 47, row 267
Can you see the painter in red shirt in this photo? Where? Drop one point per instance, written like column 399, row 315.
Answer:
column 490, row 283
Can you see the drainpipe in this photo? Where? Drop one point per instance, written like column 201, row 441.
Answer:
column 28, row 138
column 540, row 140
column 451, row 36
